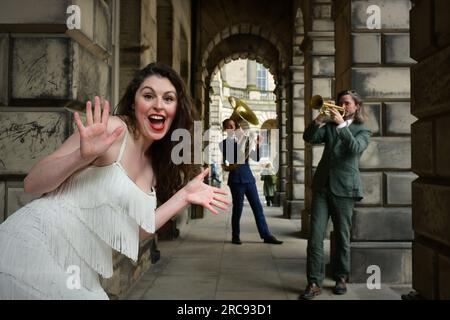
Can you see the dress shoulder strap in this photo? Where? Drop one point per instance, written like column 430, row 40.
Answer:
column 124, row 142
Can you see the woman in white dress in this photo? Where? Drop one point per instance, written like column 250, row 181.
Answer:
column 100, row 191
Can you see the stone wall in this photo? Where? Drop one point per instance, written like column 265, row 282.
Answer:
column 376, row 63
column 430, row 148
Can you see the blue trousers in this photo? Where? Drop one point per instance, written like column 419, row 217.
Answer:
column 238, row 190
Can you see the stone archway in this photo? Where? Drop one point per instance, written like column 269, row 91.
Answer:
column 245, row 46
column 266, row 33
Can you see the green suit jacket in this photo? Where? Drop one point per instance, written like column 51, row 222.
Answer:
column 338, row 168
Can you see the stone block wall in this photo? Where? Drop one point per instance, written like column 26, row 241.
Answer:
column 376, row 63
column 430, row 148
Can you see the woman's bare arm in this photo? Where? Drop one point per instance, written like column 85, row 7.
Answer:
column 77, row 152
column 51, row 171
column 195, row 192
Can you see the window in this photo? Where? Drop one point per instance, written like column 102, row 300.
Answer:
column 265, row 145
column 261, row 77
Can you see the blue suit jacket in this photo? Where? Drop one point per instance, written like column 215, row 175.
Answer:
column 243, row 173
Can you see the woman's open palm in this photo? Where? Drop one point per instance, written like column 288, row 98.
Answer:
column 205, row 195
column 94, row 137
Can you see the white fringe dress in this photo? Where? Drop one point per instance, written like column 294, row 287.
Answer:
column 56, row 246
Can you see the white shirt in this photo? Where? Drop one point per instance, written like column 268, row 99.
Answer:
column 344, row 124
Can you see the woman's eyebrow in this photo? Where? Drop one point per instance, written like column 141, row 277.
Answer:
column 147, row 87
column 150, row 88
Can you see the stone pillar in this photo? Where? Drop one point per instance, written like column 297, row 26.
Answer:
column 223, row 73
column 251, row 74
column 375, row 62
column 295, row 187
column 318, row 48
column 430, row 103
column 130, row 41
column 164, row 20
column 282, row 161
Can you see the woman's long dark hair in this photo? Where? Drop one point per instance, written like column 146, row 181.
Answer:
column 169, row 176
column 359, row 114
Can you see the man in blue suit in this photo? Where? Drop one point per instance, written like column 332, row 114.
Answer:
column 236, row 151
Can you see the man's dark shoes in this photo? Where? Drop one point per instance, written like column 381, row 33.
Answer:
column 340, row 287
column 272, row 240
column 311, row 291
column 236, row 241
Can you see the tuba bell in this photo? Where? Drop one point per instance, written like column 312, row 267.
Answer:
column 318, row 103
column 242, row 111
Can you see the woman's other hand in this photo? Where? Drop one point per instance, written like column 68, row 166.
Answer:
column 200, row 193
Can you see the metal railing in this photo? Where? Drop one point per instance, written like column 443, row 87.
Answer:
column 240, row 93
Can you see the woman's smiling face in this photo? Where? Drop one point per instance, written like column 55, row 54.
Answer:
column 155, row 107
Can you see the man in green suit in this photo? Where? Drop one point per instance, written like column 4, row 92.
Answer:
column 336, row 186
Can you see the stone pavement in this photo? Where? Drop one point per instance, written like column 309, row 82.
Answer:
column 202, row 264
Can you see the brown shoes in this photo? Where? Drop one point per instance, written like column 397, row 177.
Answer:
column 340, row 287
column 311, row 291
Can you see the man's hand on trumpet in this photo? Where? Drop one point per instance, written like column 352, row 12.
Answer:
column 336, row 116
column 320, row 118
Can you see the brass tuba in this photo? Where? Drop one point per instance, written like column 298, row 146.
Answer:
column 318, row 103
column 242, row 111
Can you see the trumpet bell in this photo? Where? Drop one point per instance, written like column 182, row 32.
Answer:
column 242, row 111
column 318, row 103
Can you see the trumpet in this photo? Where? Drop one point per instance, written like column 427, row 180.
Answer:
column 318, row 103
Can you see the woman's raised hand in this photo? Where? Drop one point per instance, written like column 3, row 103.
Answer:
column 200, row 193
column 94, row 137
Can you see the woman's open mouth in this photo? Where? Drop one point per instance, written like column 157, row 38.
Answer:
column 157, row 122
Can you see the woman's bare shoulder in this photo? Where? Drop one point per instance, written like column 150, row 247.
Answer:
column 114, row 122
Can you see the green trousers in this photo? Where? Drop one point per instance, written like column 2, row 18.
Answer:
column 324, row 205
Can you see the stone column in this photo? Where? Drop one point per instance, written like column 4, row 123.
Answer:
column 251, row 74
column 318, row 48
column 281, row 106
column 295, row 187
column 223, row 73
column 165, row 22
column 430, row 103
column 374, row 60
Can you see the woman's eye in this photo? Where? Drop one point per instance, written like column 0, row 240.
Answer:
column 148, row 96
column 169, row 99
